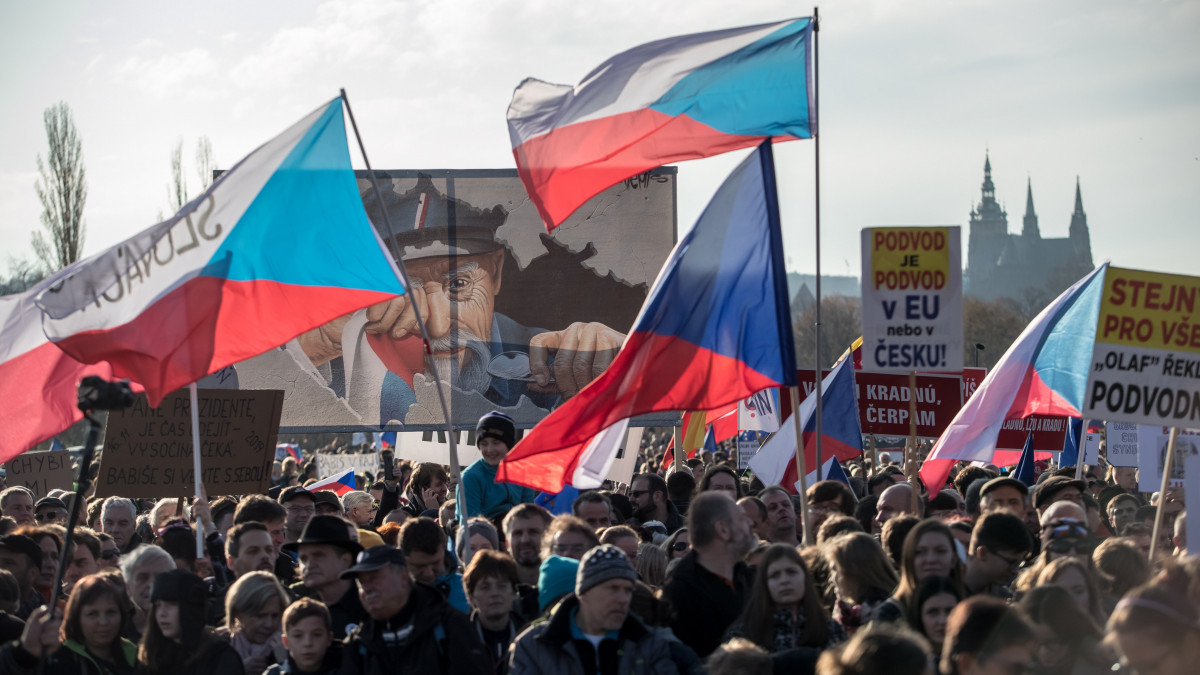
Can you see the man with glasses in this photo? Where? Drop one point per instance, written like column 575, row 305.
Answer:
column 568, row 537
column 1058, row 489
column 50, row 511
column 648, row 494
column 110, row 555
column 999, row 544
column 300, row 506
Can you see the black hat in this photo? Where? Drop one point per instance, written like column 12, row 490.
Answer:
column 1003, row 481
column 1043, row 492
column 19, row 543
column 422, row 217
column 325, row 530
column 326, row 497
column 294, row 492
column 50, row 501
column 499, row 426
column 191, row 593
column 374, row 558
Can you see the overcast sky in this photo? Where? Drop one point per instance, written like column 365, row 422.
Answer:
column 911, row 92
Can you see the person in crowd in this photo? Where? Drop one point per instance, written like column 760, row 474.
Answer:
column 835, row 525
column 359, row 508
column 1064, row 538
column 1068, row 638
column 21, row 556
column 757, row 511
column 709, row 588
column 10, row 599
column 139, row 569
column 1077, row 579
column 49, row 541
column 892, row 536
column 986, row 636
column 423, row 542
column 221, row 512
column 862, row 577
column 594, row 508
column 999, row 544
column 896, row 501
column 929, row 609
column 327, row 503
column 827, row 498
column 651, row 564
column 569, row 537
column 556, row 580
column 166, row 510
column 90, row 637
column 299, row 505
column 1003, row 493
column 272, row 514
column 249, row 548
column 784, row 610
column 479, row 494
column 17, row 503
column 1156, row 628
column 593, row 631
column 179, row 539
column 407, row 623
column 1120, row 567
column 678, row 544
column 1058, row 489
column 308, row 638
column 176, row 642
column 82, row 555
column 624, row 538
column 648, row 493
column 781, row 516
column 1124, row 477
column 253, row 614
column 118, row 517
column 491, row 586
column 110, row 555
column 680, row 486
column 929, row 551
column 325, row 550
column 739, row 656
column 877, row 649
column 427, row 489
column 480, row 535
column 524, row 527
column 946, row 504
column 721, row 477
column 50, row 511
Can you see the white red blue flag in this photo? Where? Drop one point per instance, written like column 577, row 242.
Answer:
column 340, row 484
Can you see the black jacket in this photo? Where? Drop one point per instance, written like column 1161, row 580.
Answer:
column 430, row 637
column 704, row 603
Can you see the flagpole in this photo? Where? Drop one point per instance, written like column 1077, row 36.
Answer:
column 194, row 397
column 1162, row 492
column 430, row 367
column 1080, row 445
column 817, row 201
column 801, row 468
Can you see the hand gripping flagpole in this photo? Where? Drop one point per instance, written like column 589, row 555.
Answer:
column 430, row 367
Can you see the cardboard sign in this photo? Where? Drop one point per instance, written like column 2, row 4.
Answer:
column 1122, row 443
column 911, row 299
column 1146, row 360
column 148, row 451
column 41, row 472
column 329, row 464
column 883, row 402
column 1049, row 433
column 1152, row 456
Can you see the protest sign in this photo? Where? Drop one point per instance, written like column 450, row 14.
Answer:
column 434, row 446
column 1121, row 443
column 748, row 445
column 148, row 451
column 331, row 464
column 41, row 472
column 760, row 412
column 622, row 467
column 1152, row 455
column 972, row 378
column 1091, row 448
column 911, row 299
column 1049, row 433
column 1146, row 360
column 883, row 401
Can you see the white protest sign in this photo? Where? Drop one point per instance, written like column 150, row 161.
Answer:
column 912, row 299
column 748, row 446
column 1152, row 443
column 332, row 464
column 759, row 412
column 1121, row 443
column 622, row 467
column 434, row 446
column 1146, row 359
column 1091, row 448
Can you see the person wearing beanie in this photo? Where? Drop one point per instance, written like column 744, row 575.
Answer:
column 593, row 630
column 556, row 578
column 176, row 641
column 479, row 494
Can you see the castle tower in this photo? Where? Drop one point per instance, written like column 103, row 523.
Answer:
column 1079, row 229
column 988, row 231
column 1030, row 222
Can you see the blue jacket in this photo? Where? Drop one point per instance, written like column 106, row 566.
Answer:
column 480, row 494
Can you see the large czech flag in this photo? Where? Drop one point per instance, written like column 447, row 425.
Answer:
column 715, row 328
column 278, row 245
column 680, row 98
column 1044, row 372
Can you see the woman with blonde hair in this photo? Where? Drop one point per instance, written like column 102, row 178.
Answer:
column 254, row 620
column 651, row 563
column 1079, row 581
column 861, row 574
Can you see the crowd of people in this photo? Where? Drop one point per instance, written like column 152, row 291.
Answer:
column 694, row 569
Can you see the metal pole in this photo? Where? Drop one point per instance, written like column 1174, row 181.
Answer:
column 194, row 397
column 817, row 201
column 801, row 468
column 81, row 489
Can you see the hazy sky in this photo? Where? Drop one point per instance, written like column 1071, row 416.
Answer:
column 912, row 92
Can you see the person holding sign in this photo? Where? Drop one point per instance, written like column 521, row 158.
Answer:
column 480, row 494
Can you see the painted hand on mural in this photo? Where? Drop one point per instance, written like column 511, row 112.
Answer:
column 581, row 352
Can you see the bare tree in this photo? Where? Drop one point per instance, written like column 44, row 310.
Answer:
column 177, row 192
column 205, row 164
column 62, row 190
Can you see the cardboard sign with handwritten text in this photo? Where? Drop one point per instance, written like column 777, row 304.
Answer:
column 148, row 451
column 41, row 472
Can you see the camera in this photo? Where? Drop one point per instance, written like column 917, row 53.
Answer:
column 96, row 393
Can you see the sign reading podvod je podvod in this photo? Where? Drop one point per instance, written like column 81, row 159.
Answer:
column 912, row 298
column 148, row 451
column 1146, row 360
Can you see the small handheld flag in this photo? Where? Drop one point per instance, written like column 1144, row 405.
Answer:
column 339, row 485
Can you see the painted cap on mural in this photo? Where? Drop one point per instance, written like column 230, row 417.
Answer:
column 429, row 224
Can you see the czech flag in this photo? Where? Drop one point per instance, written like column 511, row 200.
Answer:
column 278, row 245
column 339, row 485
column 680, row 98
column 1044, row 372
column 714, row 329
column 775, row 462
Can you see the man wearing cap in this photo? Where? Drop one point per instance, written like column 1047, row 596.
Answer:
column 50, row 511
column 409, row 627
column 593, row 630
column 1058, row 489
column 455, row 276
column 325, row 550
column 21, row 556
column 300, row 505
column 479, row 494
column 1003, row 494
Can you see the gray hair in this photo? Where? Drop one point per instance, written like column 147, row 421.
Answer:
column 250, row 593
column 141, row 555
column 475, row 526
column 114, row 502
column 164, row 504
column 356, row 498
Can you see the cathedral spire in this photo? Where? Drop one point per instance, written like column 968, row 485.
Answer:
column 1030, row 222
column 1079, row 228
column 1078, row 200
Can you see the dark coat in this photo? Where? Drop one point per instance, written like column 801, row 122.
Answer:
column 704, row 603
